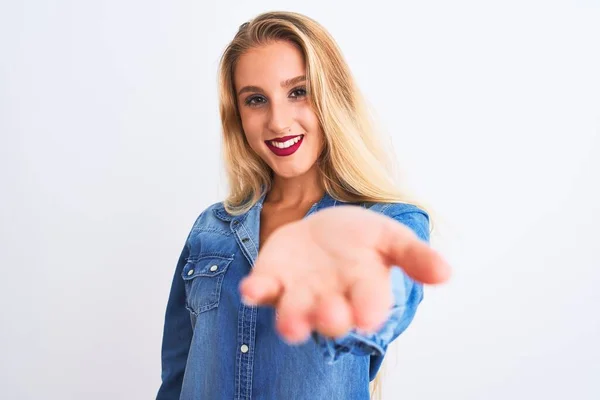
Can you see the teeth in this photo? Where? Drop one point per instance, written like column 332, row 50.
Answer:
column 287, row 143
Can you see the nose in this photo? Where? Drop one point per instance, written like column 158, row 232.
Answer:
column 280, row 118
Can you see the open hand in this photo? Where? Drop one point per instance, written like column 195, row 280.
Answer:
column 330, row 271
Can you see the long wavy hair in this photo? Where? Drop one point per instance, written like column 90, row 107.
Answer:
column 356, row 164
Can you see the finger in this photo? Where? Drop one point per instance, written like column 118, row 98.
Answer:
column 260, row 289
column 402, row 247
column 371, row 299
column 332, row 316
column 294, row 307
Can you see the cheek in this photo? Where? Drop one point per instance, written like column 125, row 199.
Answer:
column 310, row 123
column 252, row 126
column 309, row 120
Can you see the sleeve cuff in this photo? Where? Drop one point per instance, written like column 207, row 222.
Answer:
column 408, row 295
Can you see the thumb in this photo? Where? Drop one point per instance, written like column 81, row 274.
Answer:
column 260, row 289
column 403, row 248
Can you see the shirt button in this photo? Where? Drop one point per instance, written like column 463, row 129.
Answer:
column 191, row 271
column 244, row 348
column 214, row 268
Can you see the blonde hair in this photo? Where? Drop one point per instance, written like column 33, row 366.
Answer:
column 355, row 164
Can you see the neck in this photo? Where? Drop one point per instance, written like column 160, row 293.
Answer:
column 292, row 192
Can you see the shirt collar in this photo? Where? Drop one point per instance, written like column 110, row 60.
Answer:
column 325, row 201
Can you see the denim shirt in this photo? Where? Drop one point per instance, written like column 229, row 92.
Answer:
column 216, row 347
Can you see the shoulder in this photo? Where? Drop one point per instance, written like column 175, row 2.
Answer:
column 212, row 234
column 410, row 215
column 213, row 217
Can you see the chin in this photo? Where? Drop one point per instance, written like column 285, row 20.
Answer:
column 289, row 171
column 286, row 173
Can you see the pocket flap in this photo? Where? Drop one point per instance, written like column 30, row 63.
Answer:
column 208, row 266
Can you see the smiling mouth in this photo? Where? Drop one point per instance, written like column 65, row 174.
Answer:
column 285, row 146
column 284, row 142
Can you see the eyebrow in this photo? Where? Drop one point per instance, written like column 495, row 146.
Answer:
column 284, row 84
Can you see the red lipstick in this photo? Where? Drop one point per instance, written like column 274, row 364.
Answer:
column 282, row 152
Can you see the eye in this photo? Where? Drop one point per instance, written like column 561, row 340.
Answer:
column 298, row 92
column 254, row 101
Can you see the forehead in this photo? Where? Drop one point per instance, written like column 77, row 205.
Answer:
column 267, row 65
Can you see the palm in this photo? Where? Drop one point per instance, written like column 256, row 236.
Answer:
column 326, row 272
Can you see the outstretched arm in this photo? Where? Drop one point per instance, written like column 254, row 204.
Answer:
column 331, row 272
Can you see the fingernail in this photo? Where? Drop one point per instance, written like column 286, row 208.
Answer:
column 364, row 332
column 294, row 342
column 248, row 301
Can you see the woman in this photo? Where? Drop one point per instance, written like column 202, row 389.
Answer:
column 311, row 315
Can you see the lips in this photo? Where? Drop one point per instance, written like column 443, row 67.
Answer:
column 285, row 151
column 284, row 139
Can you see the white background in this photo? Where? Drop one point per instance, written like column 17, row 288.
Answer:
column 109, row 149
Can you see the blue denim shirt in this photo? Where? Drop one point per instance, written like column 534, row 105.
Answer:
column 216, row 347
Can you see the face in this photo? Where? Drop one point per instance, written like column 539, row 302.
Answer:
column 278, row 121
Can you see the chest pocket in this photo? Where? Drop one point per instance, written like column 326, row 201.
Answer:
column 203, row 277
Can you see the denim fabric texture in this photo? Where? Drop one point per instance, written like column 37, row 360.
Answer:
column 216, row 347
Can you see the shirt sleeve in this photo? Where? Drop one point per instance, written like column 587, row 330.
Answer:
column 407, row 296
column 177, row 336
